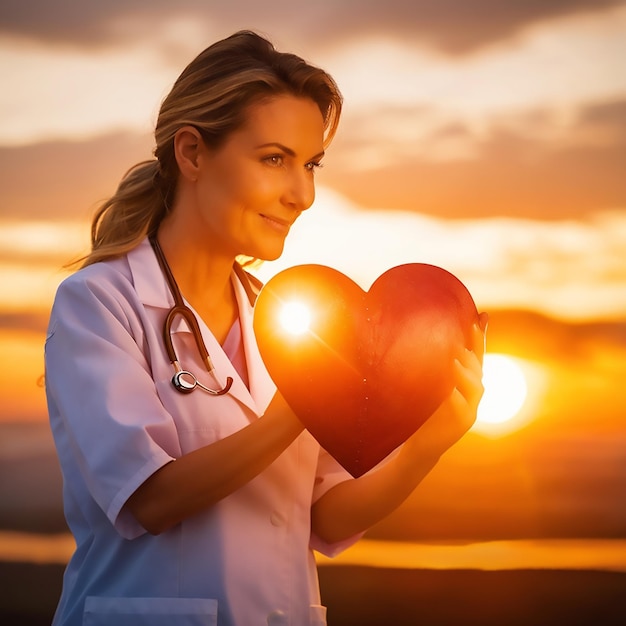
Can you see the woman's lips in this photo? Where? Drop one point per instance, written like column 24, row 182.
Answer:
column 277, row 223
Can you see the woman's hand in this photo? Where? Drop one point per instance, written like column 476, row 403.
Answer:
column 199, row 479
column 457, row 413
column 355, row 505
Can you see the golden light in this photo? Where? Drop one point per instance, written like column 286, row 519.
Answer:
column 506, row 390
column 21, row 394
column 295, row 318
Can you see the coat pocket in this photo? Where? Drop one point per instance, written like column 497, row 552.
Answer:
column 100, row 611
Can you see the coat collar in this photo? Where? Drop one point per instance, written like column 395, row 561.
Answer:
column 153, row 291
column 150, row 284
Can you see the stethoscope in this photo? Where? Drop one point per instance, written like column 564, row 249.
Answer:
column 183, row 380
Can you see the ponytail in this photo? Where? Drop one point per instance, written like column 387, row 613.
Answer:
column 132, row 213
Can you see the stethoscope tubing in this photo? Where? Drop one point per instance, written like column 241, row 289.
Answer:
column 183, row 380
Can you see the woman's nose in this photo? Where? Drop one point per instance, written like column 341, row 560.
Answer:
column 299, row 191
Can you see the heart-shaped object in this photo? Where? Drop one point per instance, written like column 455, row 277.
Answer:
column 367, row 369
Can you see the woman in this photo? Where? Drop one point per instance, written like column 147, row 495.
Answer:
column 204, row 507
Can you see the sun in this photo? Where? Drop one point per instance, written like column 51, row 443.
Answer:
column 506, row 391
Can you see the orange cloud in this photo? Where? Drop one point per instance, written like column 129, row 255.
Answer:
column 524, row 167
column 453, row 26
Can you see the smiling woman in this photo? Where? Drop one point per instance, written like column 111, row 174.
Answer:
column 144, row 460
column 237, row 141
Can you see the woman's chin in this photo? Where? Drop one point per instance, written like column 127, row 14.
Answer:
column 270, row 253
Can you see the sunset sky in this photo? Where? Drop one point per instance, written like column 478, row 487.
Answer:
column 485, row 137
column 490, row 138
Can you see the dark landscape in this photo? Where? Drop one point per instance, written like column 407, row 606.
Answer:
column 372, row 596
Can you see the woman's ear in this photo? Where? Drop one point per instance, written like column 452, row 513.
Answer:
column 187, row 145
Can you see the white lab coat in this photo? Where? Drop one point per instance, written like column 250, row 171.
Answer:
column 116, row 419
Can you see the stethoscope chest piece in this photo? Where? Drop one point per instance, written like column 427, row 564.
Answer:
column 185, row 382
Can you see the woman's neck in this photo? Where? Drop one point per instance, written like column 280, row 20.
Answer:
column 203, row 277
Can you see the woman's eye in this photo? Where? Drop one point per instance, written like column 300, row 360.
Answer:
column 314, row 165
column 274, row 159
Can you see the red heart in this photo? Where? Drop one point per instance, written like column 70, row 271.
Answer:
column 372, row 366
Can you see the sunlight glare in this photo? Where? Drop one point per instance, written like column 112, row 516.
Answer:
column 295, row 318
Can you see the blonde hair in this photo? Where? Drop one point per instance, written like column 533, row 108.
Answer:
column 212, row 94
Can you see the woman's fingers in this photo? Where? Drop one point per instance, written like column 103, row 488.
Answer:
column 457, row 413
column 483, row 321
column 469, row 373
column 479, row 334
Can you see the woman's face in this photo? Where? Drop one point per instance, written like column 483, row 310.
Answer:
column 253, row 187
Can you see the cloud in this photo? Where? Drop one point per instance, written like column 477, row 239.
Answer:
column 532, row 335
column 60, row 179
column 53, row 93
column 45, row 243
column 563, row 65
column 524, row 233
column 451, row 26
column 24, row 321
column 33, row 259
column 533, row 164
column 62, row 92
column 567, row 269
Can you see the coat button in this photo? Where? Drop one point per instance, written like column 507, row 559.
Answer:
column 277, row 519
column 277, row 618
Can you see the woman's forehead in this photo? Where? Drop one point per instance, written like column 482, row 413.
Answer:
column 286, row 120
